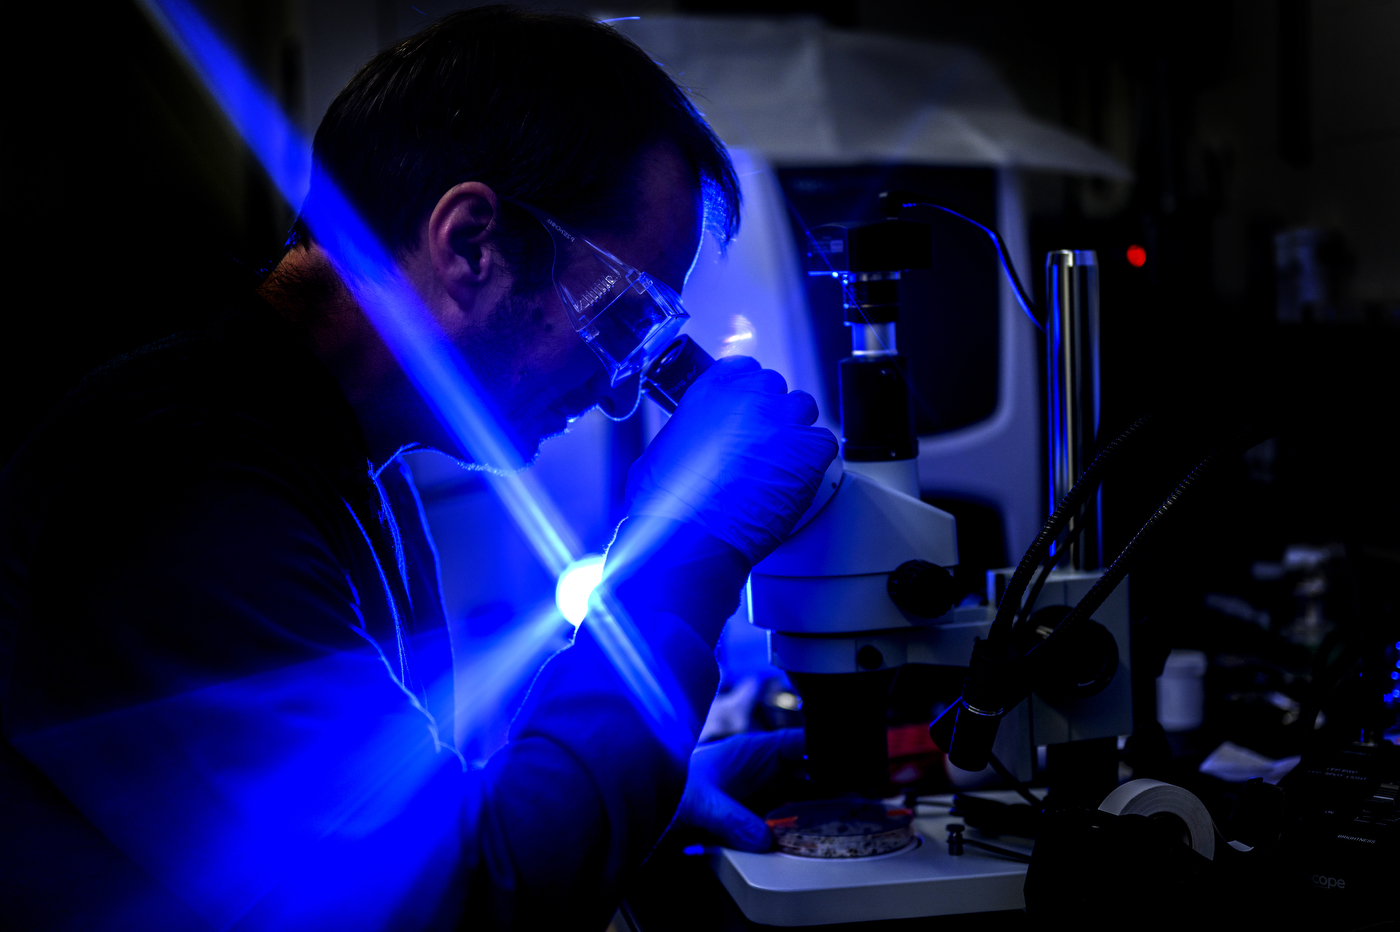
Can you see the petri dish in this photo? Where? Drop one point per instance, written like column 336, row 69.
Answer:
column 841, row 828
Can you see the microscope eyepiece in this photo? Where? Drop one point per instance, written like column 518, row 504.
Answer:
column 674, row 371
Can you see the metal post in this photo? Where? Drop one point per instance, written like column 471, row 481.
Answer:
column 1072, row 385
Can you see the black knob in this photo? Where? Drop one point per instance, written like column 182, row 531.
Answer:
column 923, row 589
column 955, row 838
column 870, row 658
column 1077, row 664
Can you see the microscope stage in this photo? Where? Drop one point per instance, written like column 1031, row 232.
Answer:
column 781, row 889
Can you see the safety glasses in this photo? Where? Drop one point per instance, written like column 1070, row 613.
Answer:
column 623, row 314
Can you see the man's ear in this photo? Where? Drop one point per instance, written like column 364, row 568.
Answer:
column 460, row 241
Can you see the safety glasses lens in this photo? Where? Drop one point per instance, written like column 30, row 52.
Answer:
column 637, row 325
column 623, row 314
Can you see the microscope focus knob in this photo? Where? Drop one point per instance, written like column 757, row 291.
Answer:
column 922, row 589
column 1076, row 665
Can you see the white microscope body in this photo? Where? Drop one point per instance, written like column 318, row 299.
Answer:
column 823, row 599
column 827, row 598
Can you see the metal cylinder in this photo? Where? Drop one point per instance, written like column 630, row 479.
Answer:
column 877, row 423
column 844, row 721
column 872, row 297
column 1072, row 386
column 674, row 371
column 873, row 340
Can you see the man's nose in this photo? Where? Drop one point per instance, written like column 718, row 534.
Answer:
column 620, row 400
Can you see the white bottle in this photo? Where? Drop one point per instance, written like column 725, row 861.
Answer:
column 1181, row 691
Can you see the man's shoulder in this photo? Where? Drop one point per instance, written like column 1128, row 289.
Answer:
column 247, row 378
column 242, row 399
column 180, row 359
column 212, row 371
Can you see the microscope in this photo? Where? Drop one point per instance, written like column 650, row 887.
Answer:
column 863, row 587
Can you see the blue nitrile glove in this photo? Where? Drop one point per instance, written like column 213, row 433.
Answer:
column 738, row 458
column 723, row 772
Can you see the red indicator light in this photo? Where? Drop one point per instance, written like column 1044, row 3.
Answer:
column 1137, row 256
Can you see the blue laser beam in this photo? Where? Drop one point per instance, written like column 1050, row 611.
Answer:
column 496, row 670
column 441, row 376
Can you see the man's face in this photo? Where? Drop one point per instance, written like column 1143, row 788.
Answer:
column 539, row 372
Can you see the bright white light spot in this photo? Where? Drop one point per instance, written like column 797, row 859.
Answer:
column 576, row 584
column 741, row 337
column 787, row 700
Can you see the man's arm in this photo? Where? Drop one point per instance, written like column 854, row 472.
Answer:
column 193, row 680
column 196, row 678
column 721, row 486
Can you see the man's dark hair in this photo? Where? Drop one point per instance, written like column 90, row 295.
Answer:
column 550, row 108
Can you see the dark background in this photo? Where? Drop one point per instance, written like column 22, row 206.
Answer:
column 1238, row 118
column 124, row 191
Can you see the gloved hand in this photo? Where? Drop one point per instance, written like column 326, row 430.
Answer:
column 723, row 772
column 739, row 458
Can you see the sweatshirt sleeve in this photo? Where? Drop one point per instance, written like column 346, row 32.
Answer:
column 593, row 773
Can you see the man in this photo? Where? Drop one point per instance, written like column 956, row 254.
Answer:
column 227, row 680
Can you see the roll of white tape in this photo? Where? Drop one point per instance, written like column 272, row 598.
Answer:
column 1150, row 797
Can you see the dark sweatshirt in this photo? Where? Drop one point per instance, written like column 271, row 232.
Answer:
column 227, row 682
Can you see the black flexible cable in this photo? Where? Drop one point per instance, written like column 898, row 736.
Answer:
column 1000, row 634
column 1076, row 527
column 1010, row 780
column 1047, row 566
column 1112, row 576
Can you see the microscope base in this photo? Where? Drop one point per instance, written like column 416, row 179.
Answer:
column 780, row 889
